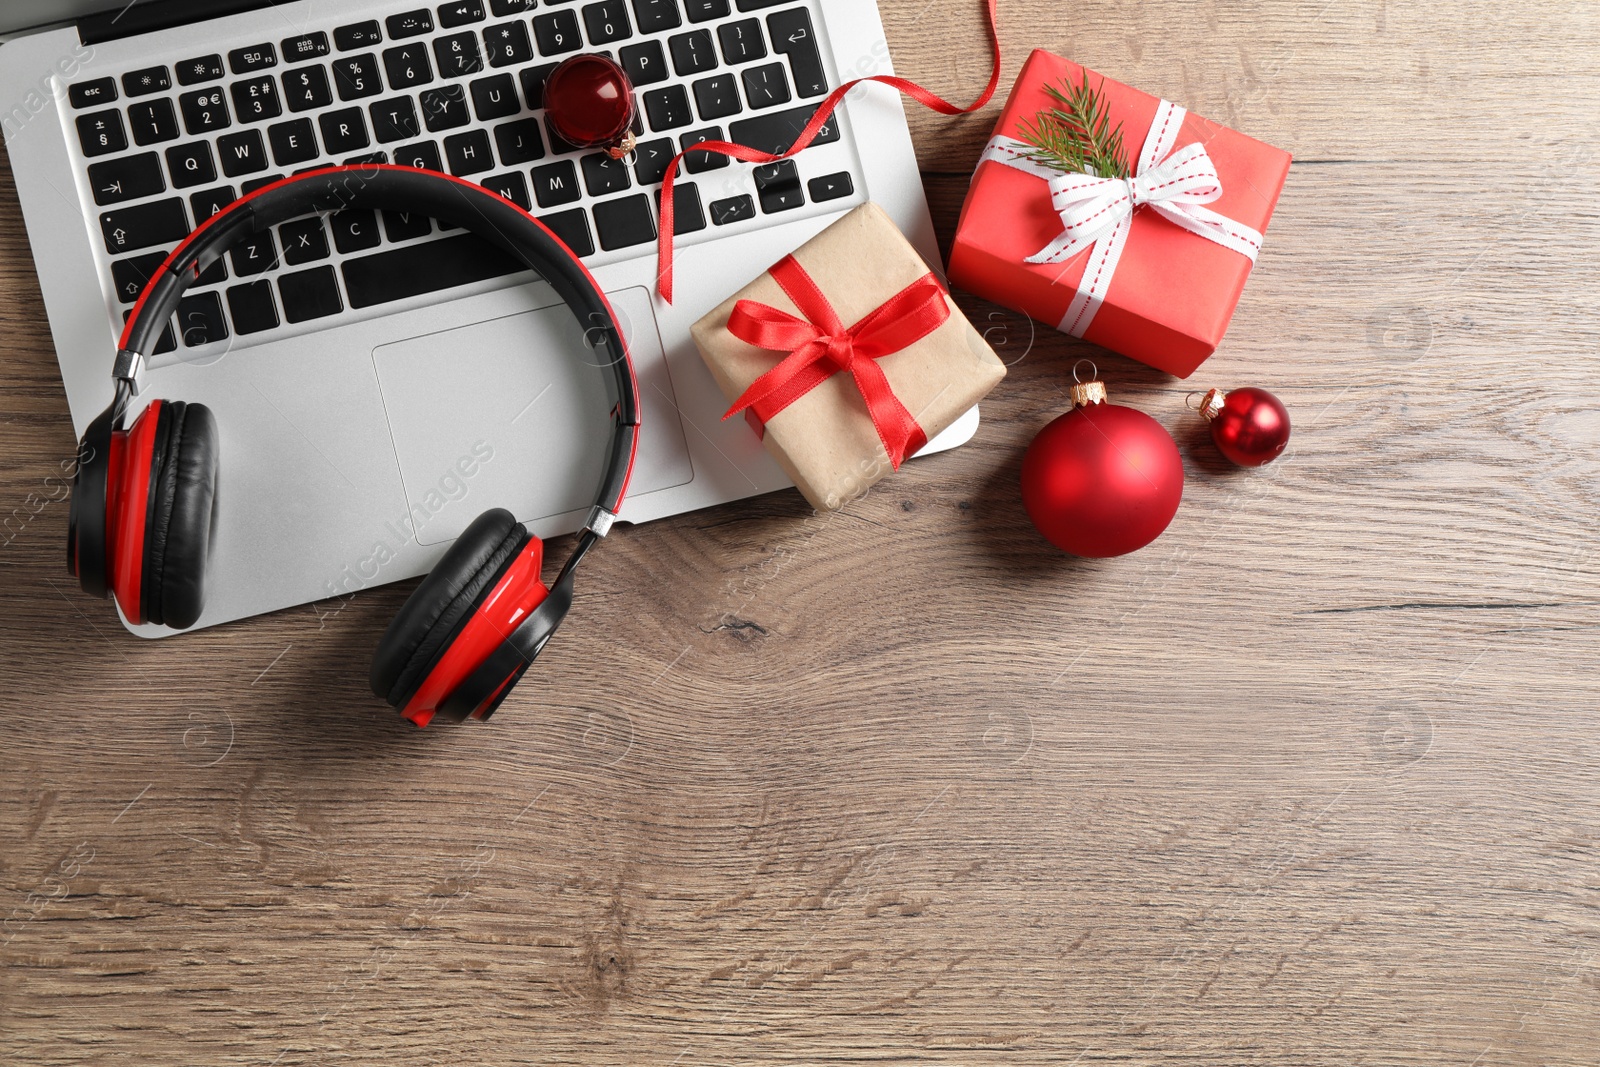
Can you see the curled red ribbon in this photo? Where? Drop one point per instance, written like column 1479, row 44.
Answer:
column 820, row 346
column 813, row 128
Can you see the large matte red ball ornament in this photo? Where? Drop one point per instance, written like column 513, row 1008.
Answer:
column 589, row 102
column 1102, row 480
column 1249, row 426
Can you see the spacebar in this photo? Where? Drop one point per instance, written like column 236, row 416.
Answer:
column 425, row 268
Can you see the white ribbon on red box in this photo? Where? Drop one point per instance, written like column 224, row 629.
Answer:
column 1098, row 212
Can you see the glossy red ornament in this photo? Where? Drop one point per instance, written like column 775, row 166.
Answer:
column 1102, row 480
column 1249, row 426
column 589, row 102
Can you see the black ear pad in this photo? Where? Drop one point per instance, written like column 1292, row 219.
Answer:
column 177, row 538
column 422, row 631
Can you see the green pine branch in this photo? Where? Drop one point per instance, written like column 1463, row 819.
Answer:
column 1076, row 136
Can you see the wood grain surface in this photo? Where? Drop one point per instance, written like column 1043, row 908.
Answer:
column 1315, row 779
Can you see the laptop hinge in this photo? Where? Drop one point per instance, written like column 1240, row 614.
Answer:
column 151, row 15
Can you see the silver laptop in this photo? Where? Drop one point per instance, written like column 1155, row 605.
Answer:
column 375, row 391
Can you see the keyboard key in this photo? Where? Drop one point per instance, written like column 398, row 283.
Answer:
column 607, row 21
column 717, row 97
column 293, row 142
column 511, row 186
column 91, row 94
column 519, row 142
column 308, row 46
column 766, row 86
column 557, row 32
column 625, row 222
column 509, row 44
column 167, row 343
column 101, row 133
column 668, row 108
column 572, row 229
column 706, row 10
column 395, row 120
column 555, row 184
column 495, row 98
column 344, row 131
column 650, row 159
column 201, row 321
column 209, row 202
column 757, row 5
column 252, row 307
column 502, row 8
column 742, row 41
column 775, row 133
column 147, row 81
column 687, row 214
column 468, row 153
column 129, row 229
column 249, row 60
column 153, row 121
column 692, row 52
column 604, row 175
column 191, row 165
column 778, row 186
column 408, row 65
column 257, row 100
column 657, row 15
column 831, row 187
column 793, row 36
column 242, row 153
column 409, row 24
column 360, row 35
column 310, row 294
column 256, row 254
column 130, row 276
column 406, row 225
column 458, row 55
column 259, row 183
column 200, row 69
column 304, row 241
column 461, row 13
column 307, row 88
column 416, row 270
column 733, row 209
column 700, row 162
column 127, row 178
column 645, row 63
column 533, row 80
column 446, row 108
column 357, row 76
column 204, row 111
column 423, row 156
column 355, row 231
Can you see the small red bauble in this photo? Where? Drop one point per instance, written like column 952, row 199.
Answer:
column 1102, row 480
column 589, row 102
column 1249, row 426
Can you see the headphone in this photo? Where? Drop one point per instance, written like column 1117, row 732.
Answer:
column 143, row 501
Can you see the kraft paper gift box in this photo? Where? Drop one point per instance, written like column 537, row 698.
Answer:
column 869, row 363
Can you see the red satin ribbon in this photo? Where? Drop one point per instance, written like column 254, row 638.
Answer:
column 820, row 346
column 809, row 134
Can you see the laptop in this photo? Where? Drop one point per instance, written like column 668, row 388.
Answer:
column 375, row 391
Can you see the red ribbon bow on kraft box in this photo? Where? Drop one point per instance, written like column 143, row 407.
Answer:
column 1151, row 265
column 845, row 405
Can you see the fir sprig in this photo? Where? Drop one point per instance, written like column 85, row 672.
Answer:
column 1076, row 135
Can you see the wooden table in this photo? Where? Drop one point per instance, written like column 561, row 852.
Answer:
column 1312, row 780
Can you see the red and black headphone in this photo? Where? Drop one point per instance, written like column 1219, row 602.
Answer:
column 144, row 497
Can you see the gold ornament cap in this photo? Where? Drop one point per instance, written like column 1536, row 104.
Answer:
column 1086, row 393
column 1211, row 405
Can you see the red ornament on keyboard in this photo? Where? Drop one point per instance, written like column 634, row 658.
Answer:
column 589, row 102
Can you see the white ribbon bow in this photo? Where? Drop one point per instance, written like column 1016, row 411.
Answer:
column 1098, row 212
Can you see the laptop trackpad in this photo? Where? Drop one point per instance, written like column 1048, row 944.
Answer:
column 514, row 413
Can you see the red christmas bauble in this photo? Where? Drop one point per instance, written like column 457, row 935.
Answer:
column 589, row 102
column 1102, row 480
column 1249, row 426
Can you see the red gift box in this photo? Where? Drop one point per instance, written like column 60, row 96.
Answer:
column 1192, row 218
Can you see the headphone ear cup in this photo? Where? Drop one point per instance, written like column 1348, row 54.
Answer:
column 435, row 613
column 177, row 543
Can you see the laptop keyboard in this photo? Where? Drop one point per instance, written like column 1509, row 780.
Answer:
column 456, row 88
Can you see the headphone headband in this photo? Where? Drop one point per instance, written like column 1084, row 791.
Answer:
column 379, row 187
